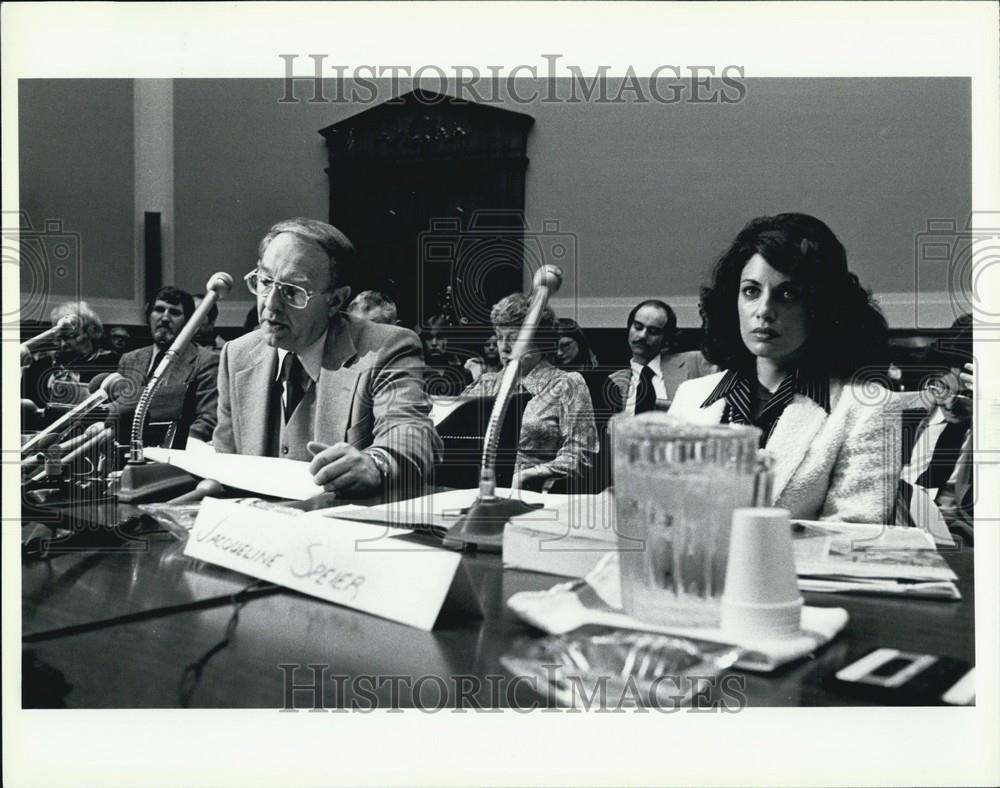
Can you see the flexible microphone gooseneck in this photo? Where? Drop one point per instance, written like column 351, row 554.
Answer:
column 62, row 425
column 481, row 527
column 141, row 480
column 217, row 288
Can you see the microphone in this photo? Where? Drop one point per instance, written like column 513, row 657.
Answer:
column 204, row 488
column 63, row 424
column 67, row 446
column 94, row 439
column 67, row 324
column 140, row 480
column 30, row 464
column 481, row 526
column 217, row 288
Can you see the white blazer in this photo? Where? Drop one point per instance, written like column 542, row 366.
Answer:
column 838, row 466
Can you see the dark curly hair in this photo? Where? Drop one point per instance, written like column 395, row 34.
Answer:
column 176, row 297
column 846, row 330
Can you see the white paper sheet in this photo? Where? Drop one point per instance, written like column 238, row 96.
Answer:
column 262, row 475
column 439, row 510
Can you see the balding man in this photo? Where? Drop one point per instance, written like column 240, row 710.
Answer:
column 654, row 372
column 317, row 385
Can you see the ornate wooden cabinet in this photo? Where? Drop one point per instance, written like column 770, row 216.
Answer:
column 431, row 190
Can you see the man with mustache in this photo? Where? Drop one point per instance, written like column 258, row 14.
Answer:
column 188, row 390
column 654, row 372
column 316, row 385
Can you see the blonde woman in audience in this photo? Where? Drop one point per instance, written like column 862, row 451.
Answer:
column 558, row 435
column 62, row 376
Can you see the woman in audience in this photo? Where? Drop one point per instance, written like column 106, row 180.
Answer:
column 62, row 377
column 794, row 331
column 488, row 362
column 573, row 351
column 557, row 431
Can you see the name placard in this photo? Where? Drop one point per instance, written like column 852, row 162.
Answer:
column 352, row 564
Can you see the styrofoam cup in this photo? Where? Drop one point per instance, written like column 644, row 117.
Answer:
column 761, row 597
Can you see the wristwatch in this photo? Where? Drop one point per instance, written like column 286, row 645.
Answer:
column 381, row 461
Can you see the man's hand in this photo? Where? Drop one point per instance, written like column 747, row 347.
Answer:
column 530, row 478
column 958, row 405
column 342, row 468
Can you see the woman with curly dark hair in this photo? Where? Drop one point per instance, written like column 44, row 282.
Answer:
column 796, row 333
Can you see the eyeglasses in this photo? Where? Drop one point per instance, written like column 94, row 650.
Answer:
column 292, row 295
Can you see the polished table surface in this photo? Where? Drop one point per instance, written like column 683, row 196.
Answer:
column 120, row 628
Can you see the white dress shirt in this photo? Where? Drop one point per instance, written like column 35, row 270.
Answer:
column 633, row 385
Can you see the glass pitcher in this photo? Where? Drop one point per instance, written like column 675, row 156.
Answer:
column 676, row 486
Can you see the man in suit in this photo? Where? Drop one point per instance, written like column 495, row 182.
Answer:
column 939, row 459
column 188, row 390
column 654, row 372
column 312, row 384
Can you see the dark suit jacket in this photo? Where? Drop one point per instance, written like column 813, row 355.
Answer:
column 675, row 368
column 195, row 371
column 369, row 393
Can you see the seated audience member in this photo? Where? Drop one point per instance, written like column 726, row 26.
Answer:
column 655, row 371
column 372, row 305
column 118, row 339
column 940, row 461
column 206, row 336
column 573, row 351
column 557, row 430
column 488, row 362
column 194, row 370
column 314, row 384
column 444, row 374
column 61, row 377
column 791, row 325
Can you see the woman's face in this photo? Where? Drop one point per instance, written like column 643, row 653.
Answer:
column 490, row 352
column 566, row 351
column 772, row 313
column 507, row 338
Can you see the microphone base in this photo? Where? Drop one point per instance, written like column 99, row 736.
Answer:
column 143, row 482
column 481, row 527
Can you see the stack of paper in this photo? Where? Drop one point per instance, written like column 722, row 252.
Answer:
column 438, row 511
column 567, row 539
column 570, row 538
column 872, row 558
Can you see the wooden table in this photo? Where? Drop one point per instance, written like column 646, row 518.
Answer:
column 120, row 629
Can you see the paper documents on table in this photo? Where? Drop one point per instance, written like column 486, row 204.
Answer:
column 567, row 538
column 438, row 511
column 262, row 475
column 873, row 558
column 570, row 537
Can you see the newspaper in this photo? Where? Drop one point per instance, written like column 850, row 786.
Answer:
column 872, row 558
